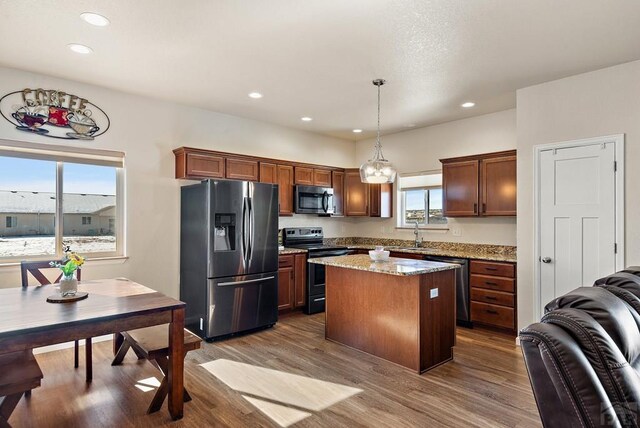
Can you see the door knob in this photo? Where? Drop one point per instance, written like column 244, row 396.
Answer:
column 546, row 260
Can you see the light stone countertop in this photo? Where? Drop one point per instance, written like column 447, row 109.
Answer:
column 392, row 266
column 286, row 251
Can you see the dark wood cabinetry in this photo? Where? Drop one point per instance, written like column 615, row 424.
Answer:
column 498, row 191
column 481, row 185
column 292, row 280
column 366, row 200
column 322, row 177
column 286, row 282
column 285, row 186
column 268, row 173
column 337, row 180
column 241, row 169
column 198, row 164
column 493, row 294
column 356, row 194
column 313, row 176
column 304, row 176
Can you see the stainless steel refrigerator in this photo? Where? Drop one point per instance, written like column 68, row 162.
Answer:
column 229, row 256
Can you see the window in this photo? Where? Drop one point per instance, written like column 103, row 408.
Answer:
column 50, row 196
column 421, row 200
column 12, row 221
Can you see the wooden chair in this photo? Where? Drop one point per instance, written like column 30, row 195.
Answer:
column 152, row 343
column 19, row 374
column 35, row 269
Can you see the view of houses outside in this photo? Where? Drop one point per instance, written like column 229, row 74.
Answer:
column 28, row 205
column 419, row 203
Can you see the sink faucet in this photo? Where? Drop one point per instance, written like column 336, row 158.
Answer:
column 418, row 240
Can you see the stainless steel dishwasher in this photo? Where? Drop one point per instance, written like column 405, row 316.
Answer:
column 463, row 304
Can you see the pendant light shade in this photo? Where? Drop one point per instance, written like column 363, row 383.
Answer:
column 378, row 169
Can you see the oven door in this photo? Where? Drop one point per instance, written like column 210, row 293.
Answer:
column 316, row 273
column 314, row 200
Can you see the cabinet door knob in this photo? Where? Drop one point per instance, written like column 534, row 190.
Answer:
column 546, row 260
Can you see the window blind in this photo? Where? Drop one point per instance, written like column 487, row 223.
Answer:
column 61, row 153
column 424, row 180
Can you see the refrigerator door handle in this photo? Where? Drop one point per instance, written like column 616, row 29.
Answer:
column 248, row 281
column 244, row 230
column 251, row 228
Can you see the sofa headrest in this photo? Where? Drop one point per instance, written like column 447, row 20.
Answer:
column 635, row 270
column 625, row 294
column 617, row 318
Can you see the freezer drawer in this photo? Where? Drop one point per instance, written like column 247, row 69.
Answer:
column 241, row 303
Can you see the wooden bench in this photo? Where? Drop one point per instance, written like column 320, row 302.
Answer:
column 152, row 343
column 19, row 374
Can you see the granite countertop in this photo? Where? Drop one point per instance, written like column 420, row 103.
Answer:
column 463, row 253
column 286, row 251
column 392, row 266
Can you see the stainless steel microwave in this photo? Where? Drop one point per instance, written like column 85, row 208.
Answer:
column 314, row 200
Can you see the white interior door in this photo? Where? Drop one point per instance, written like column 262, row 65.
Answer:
column 577, row 223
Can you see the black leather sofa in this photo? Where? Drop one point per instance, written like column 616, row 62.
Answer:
column 583, row 358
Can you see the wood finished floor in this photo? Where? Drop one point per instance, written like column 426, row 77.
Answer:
column 485, row 386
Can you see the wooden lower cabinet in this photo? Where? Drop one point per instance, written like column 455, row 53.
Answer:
column 292, row 281
column 493, row 294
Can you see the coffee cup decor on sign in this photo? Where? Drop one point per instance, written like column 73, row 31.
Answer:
column 54, row 113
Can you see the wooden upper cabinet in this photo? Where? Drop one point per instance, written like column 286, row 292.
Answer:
column 498, row 186
column 321, row 177
column 268, row 173
column 480, row 185
column 337, row 179
column 285, row 189
column 460, row 188
column 357, row 194
column 242, row 169
column 381, row 200
column 194, row 164
column 304, row 176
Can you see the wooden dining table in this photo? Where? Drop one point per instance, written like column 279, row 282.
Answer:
column 28, row 321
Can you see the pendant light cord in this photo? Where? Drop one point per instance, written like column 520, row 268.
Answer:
column 378, row 154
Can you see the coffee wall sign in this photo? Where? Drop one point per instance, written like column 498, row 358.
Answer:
column 54, row 113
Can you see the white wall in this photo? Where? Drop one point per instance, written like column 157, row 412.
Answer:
column 147, row 130
column 420, row 150
column 598, row 103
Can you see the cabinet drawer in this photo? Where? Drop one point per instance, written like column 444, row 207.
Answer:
column 493, row 297
column 493, row 268
column 498, row 316
column 493, row 282
column 285, row 261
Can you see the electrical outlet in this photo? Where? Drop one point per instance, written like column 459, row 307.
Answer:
column 433, row 293
column 456, row 231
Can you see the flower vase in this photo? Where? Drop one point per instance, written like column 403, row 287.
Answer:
column 68, row 285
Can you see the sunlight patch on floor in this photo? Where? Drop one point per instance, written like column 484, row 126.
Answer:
column 279, row 389
column 148, row 384
column 282, row 415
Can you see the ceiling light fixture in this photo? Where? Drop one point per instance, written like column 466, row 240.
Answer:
column 377, row 169
column 95, row 19
column 357, row 131
column 255, row 95
column 468, row 104
column 306, row 119
column 81, row 49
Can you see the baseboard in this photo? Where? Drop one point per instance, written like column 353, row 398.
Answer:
column 60, row 346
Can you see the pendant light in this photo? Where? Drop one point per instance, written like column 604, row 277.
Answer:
column 378, row 169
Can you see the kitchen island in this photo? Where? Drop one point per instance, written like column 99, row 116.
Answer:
column 401, row 310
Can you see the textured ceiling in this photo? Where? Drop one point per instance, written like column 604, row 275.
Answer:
column 317, row 57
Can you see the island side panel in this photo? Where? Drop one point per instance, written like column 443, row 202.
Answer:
column 375, row 313
column 437, row 319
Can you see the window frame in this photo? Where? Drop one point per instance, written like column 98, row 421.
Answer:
column 402, row 224
column 66, row 155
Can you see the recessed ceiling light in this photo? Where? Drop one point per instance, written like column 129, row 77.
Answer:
column 306, row 119
column 95, row 19
column 81, row 49
column 468, row 104
column 255, row 95
column 357, row 131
